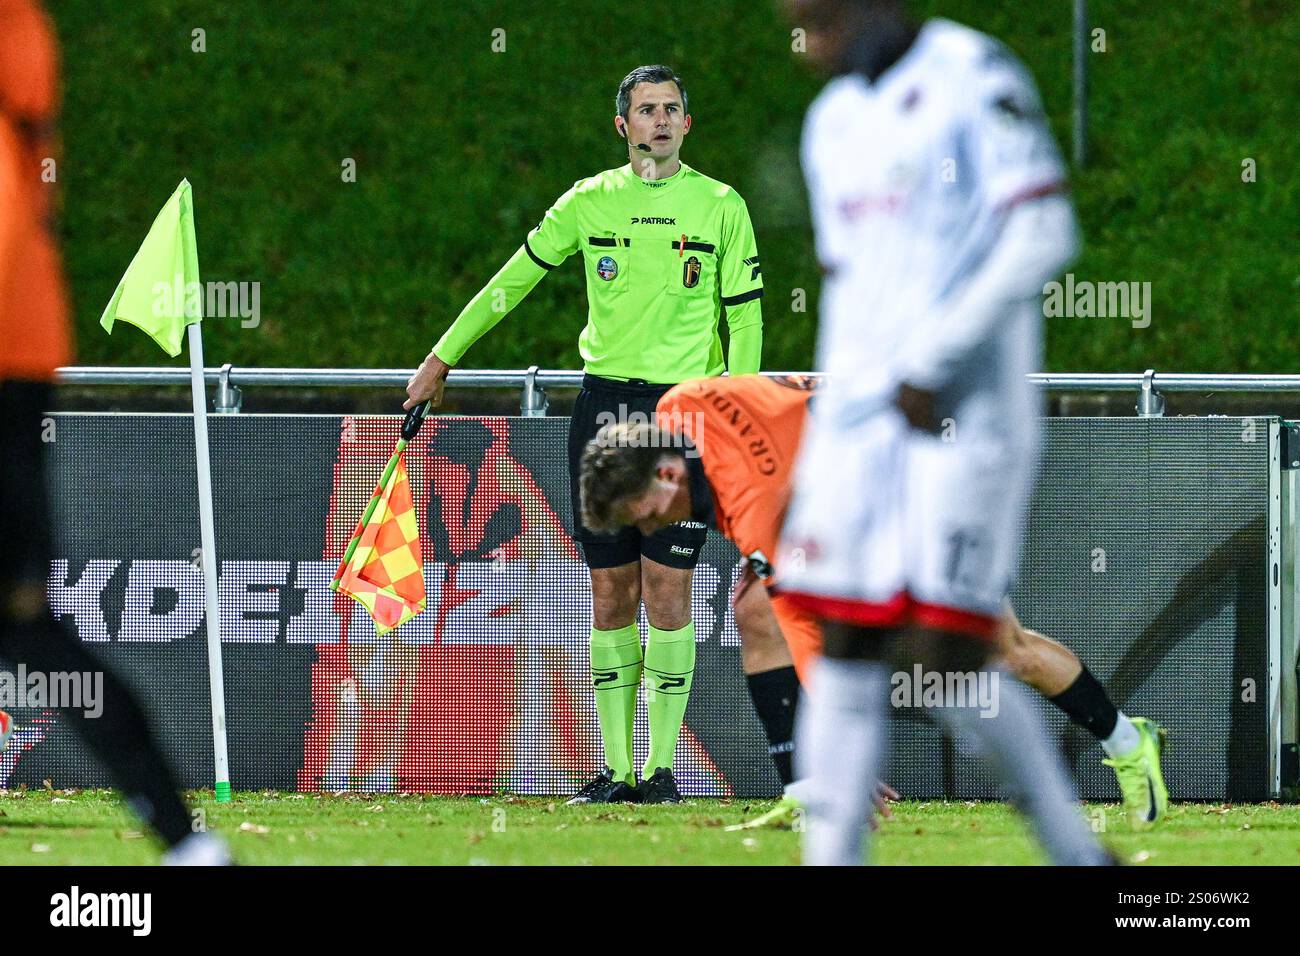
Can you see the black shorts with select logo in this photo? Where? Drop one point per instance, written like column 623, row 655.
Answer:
column 601, row 401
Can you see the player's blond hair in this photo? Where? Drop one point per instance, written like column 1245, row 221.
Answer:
column 617, row 465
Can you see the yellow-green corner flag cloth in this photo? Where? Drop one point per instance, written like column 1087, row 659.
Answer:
column 160, row 291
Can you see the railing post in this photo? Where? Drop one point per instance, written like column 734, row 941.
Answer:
column 1150, row 404
column 533, row 403
column 229, row 398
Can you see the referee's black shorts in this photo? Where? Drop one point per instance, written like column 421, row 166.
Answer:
column 601, row 401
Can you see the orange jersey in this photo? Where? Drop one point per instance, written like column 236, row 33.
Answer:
column 746, row 431
column 34, row 335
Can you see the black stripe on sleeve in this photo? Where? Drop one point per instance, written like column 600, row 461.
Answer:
column 749, row 296
column 532, row 255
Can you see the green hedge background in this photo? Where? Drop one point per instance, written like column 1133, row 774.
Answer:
column 459, row 150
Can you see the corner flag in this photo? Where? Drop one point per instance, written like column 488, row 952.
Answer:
column 160, row 291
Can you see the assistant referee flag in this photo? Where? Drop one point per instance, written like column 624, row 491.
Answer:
column 382, row 567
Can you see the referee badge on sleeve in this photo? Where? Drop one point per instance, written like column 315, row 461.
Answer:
column 691, row 272
column 607, row 268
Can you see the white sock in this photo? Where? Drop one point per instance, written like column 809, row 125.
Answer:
column 839, row 741
column 1016, row 746
column 1124, row 739
column 198, row 849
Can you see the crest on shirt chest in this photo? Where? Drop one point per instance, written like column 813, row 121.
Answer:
column 691, row 272
column 607, row 268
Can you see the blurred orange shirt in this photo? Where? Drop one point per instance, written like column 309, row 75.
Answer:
column 34, row 334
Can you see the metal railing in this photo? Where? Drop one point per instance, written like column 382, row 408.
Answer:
column 533, row 382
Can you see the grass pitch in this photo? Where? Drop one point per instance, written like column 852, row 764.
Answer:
column 93, row 828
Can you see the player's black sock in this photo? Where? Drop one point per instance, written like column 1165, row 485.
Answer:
column 119, row 735
column 1087, row 704
column 776, row 694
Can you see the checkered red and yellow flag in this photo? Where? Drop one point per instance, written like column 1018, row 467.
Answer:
column 382, row 567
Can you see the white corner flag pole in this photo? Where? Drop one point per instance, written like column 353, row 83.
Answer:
column 208, row 555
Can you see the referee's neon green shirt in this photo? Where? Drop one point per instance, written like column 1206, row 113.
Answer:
column 662, row 258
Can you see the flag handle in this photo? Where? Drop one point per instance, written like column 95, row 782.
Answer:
column 414, row 419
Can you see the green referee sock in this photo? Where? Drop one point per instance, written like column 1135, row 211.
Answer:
column 669, row 667
column 615, row 677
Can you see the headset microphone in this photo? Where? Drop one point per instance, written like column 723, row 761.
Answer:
column 622, row 131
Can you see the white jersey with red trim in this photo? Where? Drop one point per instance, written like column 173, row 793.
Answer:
column 936, row 263
column 911, row 178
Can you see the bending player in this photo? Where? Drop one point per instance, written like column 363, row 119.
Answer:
column 721, row 451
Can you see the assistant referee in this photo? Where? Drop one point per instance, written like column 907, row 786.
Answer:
column 667, row 252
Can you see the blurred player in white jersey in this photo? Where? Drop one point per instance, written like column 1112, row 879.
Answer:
column 937, row 197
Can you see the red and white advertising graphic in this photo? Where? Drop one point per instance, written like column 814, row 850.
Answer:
column 488, row 689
